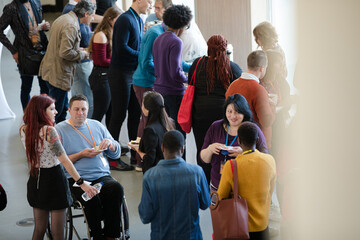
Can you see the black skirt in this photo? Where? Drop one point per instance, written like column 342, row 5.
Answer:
column 50, row 190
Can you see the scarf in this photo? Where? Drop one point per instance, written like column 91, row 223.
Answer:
column 24, row 14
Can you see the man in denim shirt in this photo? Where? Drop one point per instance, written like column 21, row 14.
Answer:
column 173, row 192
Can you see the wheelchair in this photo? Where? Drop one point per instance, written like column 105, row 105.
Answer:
column 76, row 210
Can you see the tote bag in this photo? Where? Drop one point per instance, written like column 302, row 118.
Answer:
column 184, row 117
column 230, row 216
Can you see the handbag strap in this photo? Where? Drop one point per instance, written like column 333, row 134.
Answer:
column 192, row 81
column 235, row 177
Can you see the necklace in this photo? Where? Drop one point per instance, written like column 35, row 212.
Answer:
column 27, row 6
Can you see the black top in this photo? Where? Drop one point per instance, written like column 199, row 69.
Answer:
column 150, row 144
column 103, row 5
column 209, row 107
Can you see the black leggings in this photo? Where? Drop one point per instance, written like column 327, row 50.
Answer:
column 100, row 87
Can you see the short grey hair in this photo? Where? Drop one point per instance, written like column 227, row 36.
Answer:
column 84, row 6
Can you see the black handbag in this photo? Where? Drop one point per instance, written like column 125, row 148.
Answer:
column 29, row 60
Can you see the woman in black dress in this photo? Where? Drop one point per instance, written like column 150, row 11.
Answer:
column 213, row 76
column 158, row 123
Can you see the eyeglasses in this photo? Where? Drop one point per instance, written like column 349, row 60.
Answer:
column 187, row 27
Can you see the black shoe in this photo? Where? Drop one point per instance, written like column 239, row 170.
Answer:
column 124, row 150
column 123, row 166
column 126, row 168
column 133, row 161
column 115, row 168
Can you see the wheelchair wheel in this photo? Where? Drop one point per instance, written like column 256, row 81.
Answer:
column 125, row 233
column 68, row 225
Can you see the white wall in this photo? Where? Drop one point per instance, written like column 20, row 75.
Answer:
column 284, row 19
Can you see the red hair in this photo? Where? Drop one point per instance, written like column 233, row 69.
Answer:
column 217, row 45
column 35, row 117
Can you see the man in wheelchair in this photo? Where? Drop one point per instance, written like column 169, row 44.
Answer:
column 85, row 141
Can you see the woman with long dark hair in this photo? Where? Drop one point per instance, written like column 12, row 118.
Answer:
column 47, row 188
column 158, row 122
column 213, row 76
column 100, row 47
column 221, row 143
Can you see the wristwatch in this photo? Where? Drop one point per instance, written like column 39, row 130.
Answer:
column 80, row 181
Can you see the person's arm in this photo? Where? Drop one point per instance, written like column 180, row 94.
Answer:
column 175, row 63
column 148, row 145
column 209, row 147
column 226, row 183
column 146, row 206
column 264, row 110
column 97, row 18
column 147, row 61
column 67, row 49
column 204, row 196
column 57, row 149
column 261, row 141
column 100, row 47
column 122, row 35
column 236, row 71
column 6, row 20
column 113, row 147
column 207, row 153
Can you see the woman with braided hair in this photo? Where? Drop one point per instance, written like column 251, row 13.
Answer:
column 213, row 76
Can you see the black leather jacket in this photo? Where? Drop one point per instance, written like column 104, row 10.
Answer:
column 11, row 16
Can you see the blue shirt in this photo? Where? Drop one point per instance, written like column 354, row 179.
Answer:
column 173, row 191
column 85, row 30
column 89, row 168
column 127, row 35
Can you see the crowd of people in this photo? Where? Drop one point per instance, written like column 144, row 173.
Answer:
column 124, row 67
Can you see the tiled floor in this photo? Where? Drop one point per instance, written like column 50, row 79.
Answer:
column 14, row 172
column 14, row 175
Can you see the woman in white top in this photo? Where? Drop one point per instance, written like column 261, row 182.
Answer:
column 47, row 188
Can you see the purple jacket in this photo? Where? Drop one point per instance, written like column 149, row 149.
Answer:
column 169, row 74
column 216, row 133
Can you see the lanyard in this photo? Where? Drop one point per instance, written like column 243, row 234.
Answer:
column 31, row 19
column 227, row 135
column 139, row 23
column 248, row 151
column 83, row 135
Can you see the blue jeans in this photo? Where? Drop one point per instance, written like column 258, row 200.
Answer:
column 81, row 83
column 61, row 102
column 26, row 85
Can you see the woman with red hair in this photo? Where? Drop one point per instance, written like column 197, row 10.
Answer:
column 47, row 188
column 213, row 76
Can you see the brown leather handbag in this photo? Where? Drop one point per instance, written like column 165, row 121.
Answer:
column 230, row 216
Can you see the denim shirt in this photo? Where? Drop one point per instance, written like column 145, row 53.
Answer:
column 173, row 191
